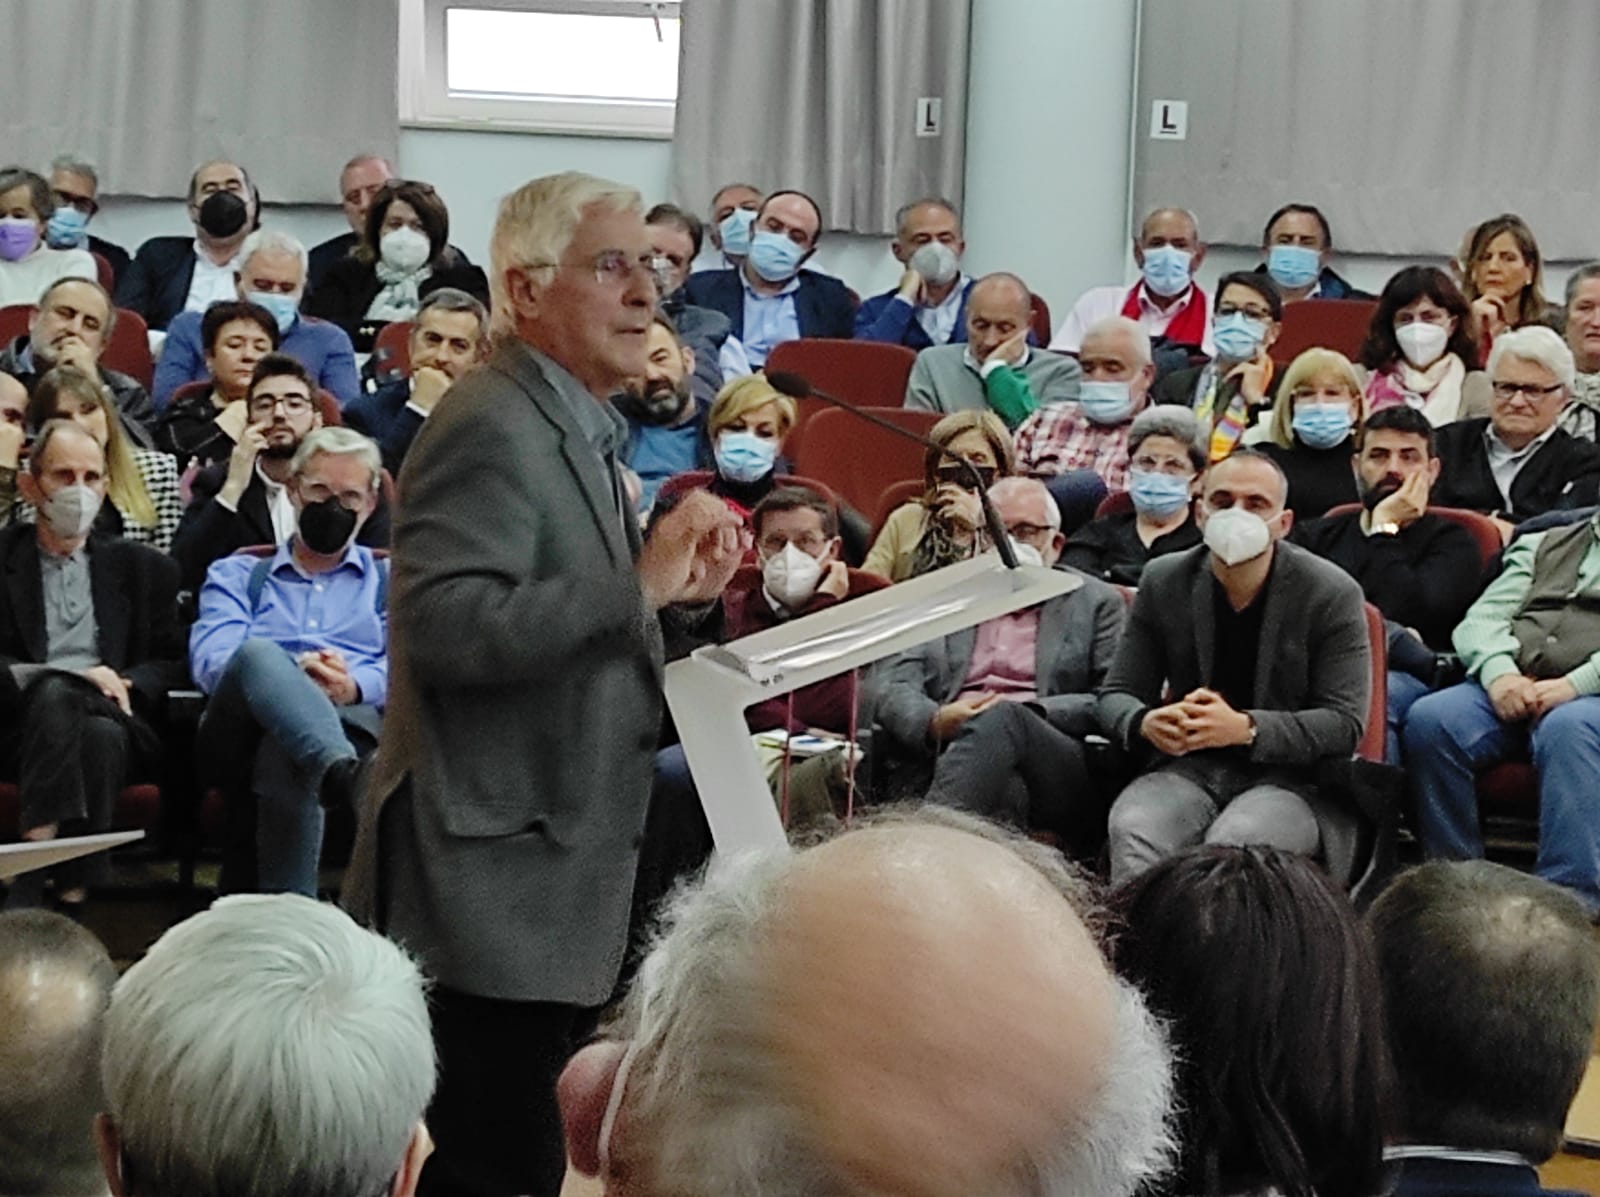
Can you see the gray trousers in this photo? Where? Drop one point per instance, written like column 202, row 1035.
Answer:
column 1198, row 800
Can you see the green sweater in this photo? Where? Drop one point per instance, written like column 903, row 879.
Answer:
column 941, row 380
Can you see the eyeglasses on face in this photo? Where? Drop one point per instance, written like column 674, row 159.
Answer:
column 1533, row 391
column 612, row 267
column 809, row 543
column 293, row 405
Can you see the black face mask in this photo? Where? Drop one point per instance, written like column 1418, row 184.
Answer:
column 326, row 526
column 223, row 214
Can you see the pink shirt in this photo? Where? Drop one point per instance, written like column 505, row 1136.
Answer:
column 1005, row 657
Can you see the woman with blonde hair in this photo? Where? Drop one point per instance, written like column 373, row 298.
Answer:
column 142, row 500
column 1502, row 276
column 1311, row 432
column 942, row 525
column 745, row 424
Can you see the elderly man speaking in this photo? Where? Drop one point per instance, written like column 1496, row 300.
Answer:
column 507, row 808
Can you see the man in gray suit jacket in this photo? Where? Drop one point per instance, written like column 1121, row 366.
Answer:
column 1012, row 698
column 501, row 832
column 1244, row 664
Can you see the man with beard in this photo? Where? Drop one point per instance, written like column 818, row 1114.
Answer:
column 1420, row 569
column 245, row 500
column 448, row 337
column 666, row 426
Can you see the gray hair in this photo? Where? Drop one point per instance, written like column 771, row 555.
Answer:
column 1170, row 420
column 1194, row 221
column 274, row 241
column 271, row 1043
column 1578, row 277
column 77, row 166
column 453, row 299
column 927, row 201
column 701, row 1091
column 1536, row 344
column 359, row 159
column 1135, row 333
column 536, row 223
column 48, row 431
column 111, row 307
column 1028, row 488
column 338, row 442
column 55, row 981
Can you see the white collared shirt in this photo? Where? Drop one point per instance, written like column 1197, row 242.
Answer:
column 1097, row 303
column 1506, row 463
column 939, row 321
column 279, row 507
column 211, row 283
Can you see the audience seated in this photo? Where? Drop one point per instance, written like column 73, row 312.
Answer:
column 142, row 498
column 1418, row 568
column 1420, row 350
column 1166, row 463
column 769, row 298
column 1517, row 463
column 71, row 326
column 746, row 426
column 1531, row 648
column 75, row 187
column 55, row 982
column 169, row 275
column 405, row 252
column 1166, row 299
column 1267, row 983
column 359, row 182
column 945, row 522
column 89, row 633
column 203, row 425
column 449, row 336
column 245, row 500
column 1581, row 416
column 1009, row 702
column 1298, row 242
column 1311, row 432
column 1244, row 664
column 919, row 1006
column 272, row 275
column 13, row 437
column 267, row 1045
column 1503, row 279
column 666, row 423
column 996, row 369
column 28, row 263
column 733, row 219
column 929, row 305
column 1092, row 434
column 1491, row 982
column 719, row 356
column 292, row 651
column 1231, row 389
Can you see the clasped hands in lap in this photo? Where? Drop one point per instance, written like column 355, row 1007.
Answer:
column 1201, row 719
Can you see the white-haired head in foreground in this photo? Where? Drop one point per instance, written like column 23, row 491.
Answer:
column 919, row 1006
column 267, row 1046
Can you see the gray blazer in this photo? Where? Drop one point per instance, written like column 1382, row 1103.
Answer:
column 1313, row 673
column 1078, row 633
column 500, row 834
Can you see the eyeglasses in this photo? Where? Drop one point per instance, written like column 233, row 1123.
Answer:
column 612, row 267
column 293, row 405
column 1254, row 311
column 1534, row 392
column 1027, row 532
column 319, row 492
column 809, row 543
column 962, row 475
column 82, row 203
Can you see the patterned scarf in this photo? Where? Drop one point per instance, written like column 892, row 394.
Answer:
column 1581, row 416
column 1226, row 426
column 398, row 297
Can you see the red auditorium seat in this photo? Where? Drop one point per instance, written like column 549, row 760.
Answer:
column 391, row 352
column 858, row 460
column 866, row 373
column 1039, row 320
column 893, row 498
column 1339, row 324
column 129, row 348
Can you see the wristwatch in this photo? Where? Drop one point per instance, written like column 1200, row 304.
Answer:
column 1389, row 528
column 1251, row 742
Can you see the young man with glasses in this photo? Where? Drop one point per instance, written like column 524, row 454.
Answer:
column 245, row 500
column 1517, row 463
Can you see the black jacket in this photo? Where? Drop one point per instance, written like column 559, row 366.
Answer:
column 350, row 286
column 1563, row 472
column 133, row 401
column 822, row 304
column 116, row 257
column 156, row 282
column 384, row 416
column 329, row 253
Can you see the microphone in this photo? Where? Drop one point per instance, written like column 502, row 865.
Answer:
column 796, row 387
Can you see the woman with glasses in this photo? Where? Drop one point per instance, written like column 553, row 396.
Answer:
column 202, row 421
column 1165, row 465
column 403, row 254
column 1419, row 349
column 1311, row 432
column 942, row 525
column 142, row 501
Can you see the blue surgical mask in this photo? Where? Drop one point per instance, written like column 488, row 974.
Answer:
column 744, row 456
column 1238, row 337
column 1293, row 266
column 1322, row 425
column 1105, row 402
column 1166, row 270
column 67, row 228
column 735, row 229
column 774, row 257
column 1157, row 495
column 284, row 308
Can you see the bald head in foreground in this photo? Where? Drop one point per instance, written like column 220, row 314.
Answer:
column 919, row 1006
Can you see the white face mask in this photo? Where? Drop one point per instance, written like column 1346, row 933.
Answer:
column 1026, row 554
column 792, row 576
column 1423, row 344
column 70, row 512
column 405, row 249
column 935, row 262
column 1236, row 535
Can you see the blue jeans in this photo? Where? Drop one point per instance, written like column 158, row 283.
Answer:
column 1452, row 735
column 1404, row 690
column 266, row 705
